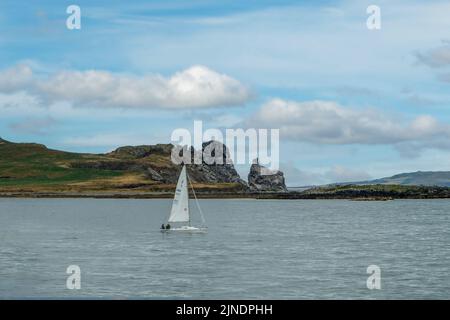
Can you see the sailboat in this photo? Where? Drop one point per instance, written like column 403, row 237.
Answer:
column 180, row 215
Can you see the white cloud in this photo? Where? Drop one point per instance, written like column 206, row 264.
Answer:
column 436, row 57
column 195, row 87
column 19, row 103
column 327, row 122
column 15, row 78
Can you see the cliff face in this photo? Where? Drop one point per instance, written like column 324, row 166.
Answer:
column 155, row 162
column 261, row 179
column 215, row 173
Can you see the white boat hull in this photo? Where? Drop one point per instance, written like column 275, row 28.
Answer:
column 187, row 229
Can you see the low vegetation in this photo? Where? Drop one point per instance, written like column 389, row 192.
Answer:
column 30, row 167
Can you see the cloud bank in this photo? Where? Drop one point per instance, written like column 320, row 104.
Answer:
column 327, row 122
column 195, row 87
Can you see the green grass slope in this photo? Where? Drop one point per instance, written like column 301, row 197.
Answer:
column 30, row 167
column 30, row 164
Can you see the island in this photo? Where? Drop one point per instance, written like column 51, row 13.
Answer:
column 146, row 171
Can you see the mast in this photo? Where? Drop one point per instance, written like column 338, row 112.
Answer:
column 189, row 207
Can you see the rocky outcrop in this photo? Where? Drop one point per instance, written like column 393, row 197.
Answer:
column 139, row 152
column 154, row 161
column 216, row 169
column 262, row 179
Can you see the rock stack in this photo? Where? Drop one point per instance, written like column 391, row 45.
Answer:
column 263, row 179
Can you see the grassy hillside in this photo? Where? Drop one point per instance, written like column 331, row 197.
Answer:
column 425, row 178
column 30, row 167
column 419, row 178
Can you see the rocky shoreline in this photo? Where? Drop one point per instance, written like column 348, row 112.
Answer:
column 360, row 193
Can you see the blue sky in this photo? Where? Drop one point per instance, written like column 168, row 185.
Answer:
column 350, row 103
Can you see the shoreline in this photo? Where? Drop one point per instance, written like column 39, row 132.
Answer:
column 213, row 195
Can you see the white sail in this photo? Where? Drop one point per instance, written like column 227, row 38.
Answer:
column 180, row 205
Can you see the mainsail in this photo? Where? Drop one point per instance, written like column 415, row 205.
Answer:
column 180, row 205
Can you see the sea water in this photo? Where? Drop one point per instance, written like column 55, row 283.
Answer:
column 254, row 249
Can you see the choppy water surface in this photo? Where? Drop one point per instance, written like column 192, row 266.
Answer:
column 253, row 249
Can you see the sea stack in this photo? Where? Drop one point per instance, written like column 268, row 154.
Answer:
column 263, row 179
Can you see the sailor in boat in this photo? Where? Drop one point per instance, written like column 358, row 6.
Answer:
column 162, row 227
column 167, row 226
